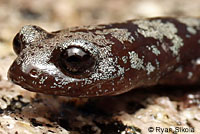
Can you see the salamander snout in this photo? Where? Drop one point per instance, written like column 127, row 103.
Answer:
column 27, row 35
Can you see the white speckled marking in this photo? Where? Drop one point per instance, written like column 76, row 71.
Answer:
column 179, row 69
column 190, row 74
column 150, row 68
column 154, row 49
column 31, row 33
column 135, row 61
column 198, row 61
column 158, row 30
column 124, row 59
column 191, row 30
column 192, row 24
column 120, row 34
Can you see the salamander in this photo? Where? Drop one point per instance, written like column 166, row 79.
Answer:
column 110, row 59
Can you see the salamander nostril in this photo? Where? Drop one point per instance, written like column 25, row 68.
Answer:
column 17, row 45
column 33, row 73
column 76, row 60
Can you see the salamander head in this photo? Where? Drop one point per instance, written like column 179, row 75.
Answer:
column 63, row 63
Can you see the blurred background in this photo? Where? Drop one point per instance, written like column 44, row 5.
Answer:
column 54, row 15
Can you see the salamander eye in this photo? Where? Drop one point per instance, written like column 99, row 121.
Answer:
column 17, row 45
column 77, row 61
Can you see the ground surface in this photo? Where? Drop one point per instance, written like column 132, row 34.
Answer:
column 24, row 112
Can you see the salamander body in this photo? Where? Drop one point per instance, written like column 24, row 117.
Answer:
column 107, row 59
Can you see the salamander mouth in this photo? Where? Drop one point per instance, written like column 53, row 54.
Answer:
column 16, row 80
column 16, row 76
column 27, row 82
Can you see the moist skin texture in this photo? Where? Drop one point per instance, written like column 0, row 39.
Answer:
column 114, row 58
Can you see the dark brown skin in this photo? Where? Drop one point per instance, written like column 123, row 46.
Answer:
column 107, row 59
